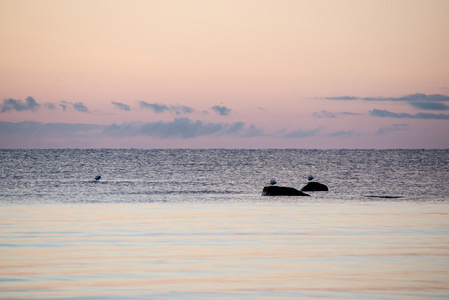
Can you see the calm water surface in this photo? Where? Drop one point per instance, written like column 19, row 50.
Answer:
column 192, row 225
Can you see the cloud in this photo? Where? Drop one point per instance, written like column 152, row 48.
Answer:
column 160, row 108
column 31, row 105
column 157, row 108
column 418, row 100
column 345, row 98
column 64, row 105
column 183, row 128
column 388, row 114
column 332, row 115
column 299, row 133
column 30, row 129
column 221, row 110
column 430, row 105
column 253, row 131
column 19, row 105
column 121, row 106
column 78, row 106
column 179, row 128
column 350, row 113
column 393, row 128
column 181, row 109
column 408, row 98
column 421, row 97
column 324, row 114
column 343, row 133
column 50, row 106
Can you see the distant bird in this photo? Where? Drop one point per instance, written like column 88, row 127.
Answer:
column 272, row 182
column 97, row 177
column 310, row 177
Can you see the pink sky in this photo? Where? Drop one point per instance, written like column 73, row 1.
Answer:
column 224, row 74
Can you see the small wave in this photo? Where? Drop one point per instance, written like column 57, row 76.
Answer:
column 198, row 192
column 385, row 197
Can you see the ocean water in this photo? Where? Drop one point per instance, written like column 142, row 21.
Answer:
column 192, row 224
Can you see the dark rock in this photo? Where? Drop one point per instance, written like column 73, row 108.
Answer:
column 98, row 177
column 314, row 186
column 274, row 190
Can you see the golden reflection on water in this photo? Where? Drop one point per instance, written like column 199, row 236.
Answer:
column 245, row 250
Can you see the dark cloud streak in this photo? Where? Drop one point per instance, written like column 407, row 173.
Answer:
column 332, row 115
column 344, row 98
column 350, row 113
column 388, row 114
column 429, row 105
column 422, row 97
column 419, row 97
column 418, row 101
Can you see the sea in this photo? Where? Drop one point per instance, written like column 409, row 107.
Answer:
column 193, row 224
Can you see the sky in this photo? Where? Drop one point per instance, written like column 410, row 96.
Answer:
column 302, row 74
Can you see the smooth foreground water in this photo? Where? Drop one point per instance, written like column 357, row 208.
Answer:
column 192, row 224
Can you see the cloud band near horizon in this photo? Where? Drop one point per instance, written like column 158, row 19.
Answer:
column 183, row 128
column 179, row 128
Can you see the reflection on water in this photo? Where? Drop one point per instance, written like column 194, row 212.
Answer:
column 282, row 250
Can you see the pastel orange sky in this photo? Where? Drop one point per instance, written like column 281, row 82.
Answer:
column 224, row 74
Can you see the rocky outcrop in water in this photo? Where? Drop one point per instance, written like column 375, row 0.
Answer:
column 314, row 186
column 281, row 191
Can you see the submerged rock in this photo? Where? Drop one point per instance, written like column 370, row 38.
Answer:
column 274, row 190
column 314, row 186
